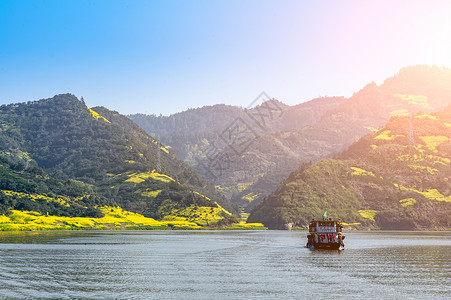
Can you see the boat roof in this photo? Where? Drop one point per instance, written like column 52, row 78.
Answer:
column 326, row 220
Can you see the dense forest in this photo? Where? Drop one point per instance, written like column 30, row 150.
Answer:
column 25, row 187
column 60, row 148
column 396, row 178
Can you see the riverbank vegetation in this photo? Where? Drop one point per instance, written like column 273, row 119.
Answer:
column 114, row 218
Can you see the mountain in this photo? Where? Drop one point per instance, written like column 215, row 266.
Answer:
column 235, row 147
column 274, row 139
column 103, row 154
column 395, row 178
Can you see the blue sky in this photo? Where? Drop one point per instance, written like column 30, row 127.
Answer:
column 167, row 56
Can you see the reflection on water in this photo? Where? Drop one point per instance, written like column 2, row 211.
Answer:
column 223, row 265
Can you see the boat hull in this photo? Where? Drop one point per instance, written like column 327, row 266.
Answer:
column 328, row 246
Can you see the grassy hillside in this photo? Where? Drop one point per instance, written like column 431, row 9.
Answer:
column 396, row 178
column 61, row 157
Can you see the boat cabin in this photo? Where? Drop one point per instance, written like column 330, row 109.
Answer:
column 325, row 234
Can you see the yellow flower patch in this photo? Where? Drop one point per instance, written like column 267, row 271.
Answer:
column 350, row 224
column 192, row 217
column 244, row 216
column 4, row 219
column 426, row 117
column 421, row 100
column 96, row 115
column 407, row 202
column 203, row 196
column 247, row 226
column 430, row 170
column 115, row 218
column 399, row 112
column 439, row 160
column 243, row 186
column 419, row 148
column 421, row 158
column 361, row 172
column 140, row 177
column 370, row 128
column 151, row 194
column 34, row 197
column 120, row 217
column 202, row 215
column 431, row 194
column 433, row 141
column 250, row 197
column 385, row 135
column 368, row 214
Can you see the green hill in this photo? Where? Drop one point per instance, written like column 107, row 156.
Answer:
column 396, row 178
column 93, row 157
column 30, row 188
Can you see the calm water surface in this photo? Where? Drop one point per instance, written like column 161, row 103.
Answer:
column 223, row 265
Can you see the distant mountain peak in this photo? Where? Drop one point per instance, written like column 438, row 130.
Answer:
column 274, row 101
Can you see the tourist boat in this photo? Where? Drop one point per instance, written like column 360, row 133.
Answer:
column 325, row 234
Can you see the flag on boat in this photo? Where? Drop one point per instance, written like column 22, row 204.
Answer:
column 325, row 214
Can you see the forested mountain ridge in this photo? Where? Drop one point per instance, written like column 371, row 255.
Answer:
column 104, row 152
column 306, row 132
column 197, row 135
column 186, row 129
column 396, row 178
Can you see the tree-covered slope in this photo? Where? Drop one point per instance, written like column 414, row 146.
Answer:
column 25, row 187
column 104, row 150
column 396, row 178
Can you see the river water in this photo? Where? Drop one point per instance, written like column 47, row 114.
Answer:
column 223, row 265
